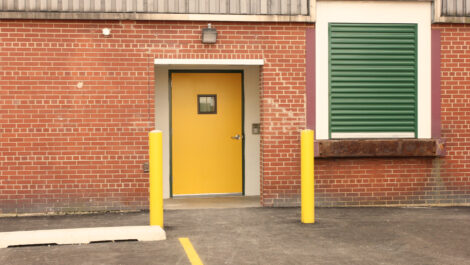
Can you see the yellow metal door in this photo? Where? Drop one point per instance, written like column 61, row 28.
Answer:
column 206, row 133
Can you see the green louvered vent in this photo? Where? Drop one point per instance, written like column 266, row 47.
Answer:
column 373, row 78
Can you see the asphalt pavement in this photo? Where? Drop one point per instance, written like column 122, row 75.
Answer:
column 263, row 236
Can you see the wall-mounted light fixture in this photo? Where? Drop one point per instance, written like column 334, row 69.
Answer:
column 209, row 34
column 106, row 32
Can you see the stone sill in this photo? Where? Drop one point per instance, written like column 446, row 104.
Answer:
column 379, row 148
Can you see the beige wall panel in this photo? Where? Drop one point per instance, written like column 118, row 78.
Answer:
column 255, row 6
column 214, row 6
column 86, row 6
column 234, row 7
column 182, row 7
column 161, row 6
column 451, row 7
column 263, row 7
column 172, row 6
column 222, row 7
column 455, row 8
column 467, row 8
column 243, row 6
column 107, row 6
column 200, row 5
column 32, row 4
column 154, row 6
column 192, row 6
column 140, row 5
column 117, row 5
column 96, row 5
column 275, row 7
column 203, row 6
column 285, row 7
column 42, row 5
column 295, row 7
column 21, row 4
column 304, row 7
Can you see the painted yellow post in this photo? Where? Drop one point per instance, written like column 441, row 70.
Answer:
column 307, row 203
column 156, row 178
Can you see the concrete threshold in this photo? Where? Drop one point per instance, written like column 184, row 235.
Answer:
column 81, row 235
column 217, row 202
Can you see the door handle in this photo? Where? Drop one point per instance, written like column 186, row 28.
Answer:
column 236, row 137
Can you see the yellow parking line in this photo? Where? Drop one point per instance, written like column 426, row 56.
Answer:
column 190, row 251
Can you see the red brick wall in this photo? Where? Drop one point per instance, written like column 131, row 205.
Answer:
column 455, row 108
column 66, row 147
column 69, row 148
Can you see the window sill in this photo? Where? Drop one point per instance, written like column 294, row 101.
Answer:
column 379, row 148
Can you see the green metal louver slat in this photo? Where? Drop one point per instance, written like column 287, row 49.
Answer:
column 373, row 77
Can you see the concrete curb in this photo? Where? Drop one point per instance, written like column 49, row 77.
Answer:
column 81, row 235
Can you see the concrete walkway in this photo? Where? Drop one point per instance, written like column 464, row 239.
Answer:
column 265, row 236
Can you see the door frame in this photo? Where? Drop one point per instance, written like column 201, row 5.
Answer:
column 170, row 87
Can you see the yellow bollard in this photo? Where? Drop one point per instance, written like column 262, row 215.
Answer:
column 307, row 203
column 156, row 178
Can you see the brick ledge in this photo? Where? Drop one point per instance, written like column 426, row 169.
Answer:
column 379, row 148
